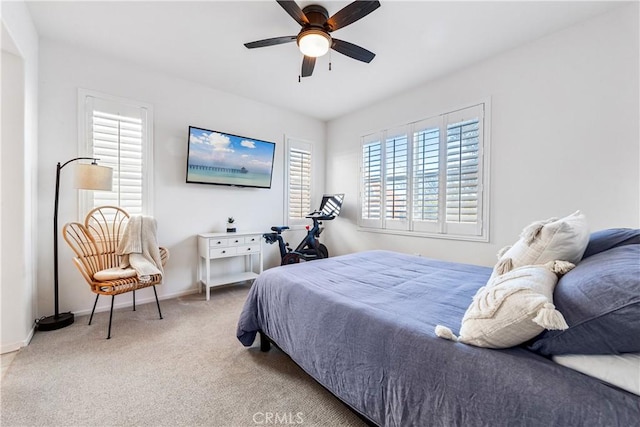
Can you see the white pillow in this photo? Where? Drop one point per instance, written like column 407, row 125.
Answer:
column 512, row 308
column 114, row 273
column 562, row 239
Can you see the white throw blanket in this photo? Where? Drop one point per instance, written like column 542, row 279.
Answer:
column 139, row 247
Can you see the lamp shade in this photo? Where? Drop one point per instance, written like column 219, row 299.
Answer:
column 314, row 42
column 94, row 177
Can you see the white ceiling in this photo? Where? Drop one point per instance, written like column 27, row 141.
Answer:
column 414, row 42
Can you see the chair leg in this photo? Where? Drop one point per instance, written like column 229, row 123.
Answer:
column 110, row 316
column 94, row 308
column 134, row 300
column 157, row 302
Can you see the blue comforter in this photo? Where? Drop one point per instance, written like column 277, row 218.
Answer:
column 362, row 326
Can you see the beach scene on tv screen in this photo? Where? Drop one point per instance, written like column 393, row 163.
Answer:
column 219, row 158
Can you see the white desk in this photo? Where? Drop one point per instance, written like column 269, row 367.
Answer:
column 212, row 246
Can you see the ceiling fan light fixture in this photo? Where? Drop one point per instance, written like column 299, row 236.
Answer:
column 314, row 43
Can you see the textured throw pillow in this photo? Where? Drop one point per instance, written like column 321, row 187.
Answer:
column 114, row 274
column 512, row 308
column 604, row 240
column 600, row 300
column 543, row 241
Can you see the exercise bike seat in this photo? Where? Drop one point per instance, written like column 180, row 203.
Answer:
column 279, row 229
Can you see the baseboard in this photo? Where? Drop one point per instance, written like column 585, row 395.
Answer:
column 8, row 348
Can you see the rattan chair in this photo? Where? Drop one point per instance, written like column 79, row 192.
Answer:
column 94, row 244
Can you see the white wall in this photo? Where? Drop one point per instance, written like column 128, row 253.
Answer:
column 564, row 136
column 18, row 208
column 182, row 210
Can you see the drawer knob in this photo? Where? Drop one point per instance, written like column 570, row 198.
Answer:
column 224, row 252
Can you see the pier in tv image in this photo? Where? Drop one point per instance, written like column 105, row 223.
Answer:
column 226, row 159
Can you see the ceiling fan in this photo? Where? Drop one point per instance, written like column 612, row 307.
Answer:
column 314, row 38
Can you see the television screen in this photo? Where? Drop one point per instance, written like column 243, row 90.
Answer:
column 225, row 159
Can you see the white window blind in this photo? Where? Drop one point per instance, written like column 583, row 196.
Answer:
column 432, row 173
column 299, row 187
column 117, row 142
column 371, row 181
column 462, row 172
column 299, row 183
column 396, row 179
column 426, row 176
column 118, row 132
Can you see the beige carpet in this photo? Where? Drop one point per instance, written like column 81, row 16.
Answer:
column 185, row 370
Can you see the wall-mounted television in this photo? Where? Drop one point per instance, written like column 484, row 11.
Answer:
column 221, row 158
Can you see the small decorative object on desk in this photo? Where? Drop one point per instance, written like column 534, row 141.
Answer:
column 230, row 227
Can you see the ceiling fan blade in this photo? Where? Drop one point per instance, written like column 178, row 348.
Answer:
column 351, row 13
column 307, row 65
column 352, row 50
column 294, row 10
column 270, row 42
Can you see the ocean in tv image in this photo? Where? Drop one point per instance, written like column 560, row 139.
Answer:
column 220, row 158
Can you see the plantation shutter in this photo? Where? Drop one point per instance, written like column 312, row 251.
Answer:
column 299, row 186
column 117, row 142
column 426, row 175
column 396, row 178
column 299, row 183
column 371, row 182
column 463, row 171
column 118, row 132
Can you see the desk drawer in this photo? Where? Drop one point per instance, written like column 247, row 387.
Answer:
column 235, row 241
column 218, row 242
column 222, row 252
column 253, row 240
column 248, row 249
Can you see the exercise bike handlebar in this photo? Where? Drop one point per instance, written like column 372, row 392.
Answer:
column 320, row 216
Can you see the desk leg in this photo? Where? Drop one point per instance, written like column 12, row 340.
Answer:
column 206, row 279
column 199, row 275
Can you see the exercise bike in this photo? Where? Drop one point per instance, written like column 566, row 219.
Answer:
column 310, row 247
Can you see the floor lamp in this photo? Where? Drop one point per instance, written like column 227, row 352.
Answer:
column 88, row 177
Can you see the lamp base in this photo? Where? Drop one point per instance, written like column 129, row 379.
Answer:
column 51, row 323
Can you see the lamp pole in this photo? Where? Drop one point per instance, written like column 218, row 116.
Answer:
column 58, row 320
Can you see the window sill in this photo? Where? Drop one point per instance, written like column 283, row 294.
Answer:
column 481, row 239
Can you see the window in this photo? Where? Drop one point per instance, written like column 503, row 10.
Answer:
column 299, row 189
column 118, row 132
column 371, row 192
column 427, row 177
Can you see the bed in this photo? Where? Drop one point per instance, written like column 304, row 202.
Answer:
column 362, row 325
